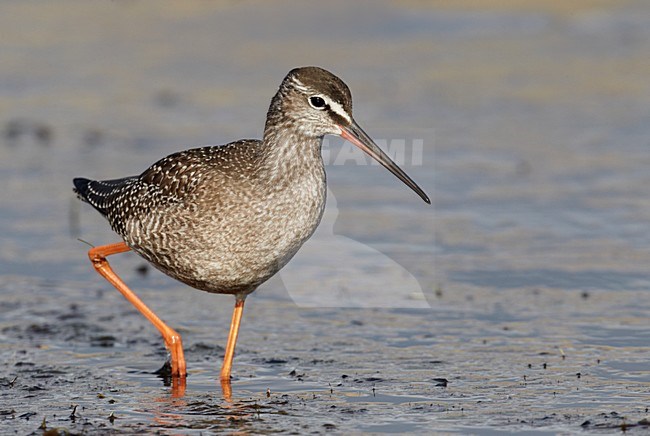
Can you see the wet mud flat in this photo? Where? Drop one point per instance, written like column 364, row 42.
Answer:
column 89, row 366
column 518, row 302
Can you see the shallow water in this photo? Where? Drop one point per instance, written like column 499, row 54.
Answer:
column 525, row 286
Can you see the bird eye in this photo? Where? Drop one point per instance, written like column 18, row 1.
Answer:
column 317, row 102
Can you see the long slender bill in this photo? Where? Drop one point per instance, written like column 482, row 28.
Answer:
column 358, row 137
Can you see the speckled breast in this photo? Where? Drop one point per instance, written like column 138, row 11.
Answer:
column 232, row 236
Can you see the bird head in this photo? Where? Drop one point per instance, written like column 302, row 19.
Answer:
column 317, row 103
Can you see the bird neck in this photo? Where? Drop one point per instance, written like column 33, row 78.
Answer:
column 289, row 154
column 288, row 151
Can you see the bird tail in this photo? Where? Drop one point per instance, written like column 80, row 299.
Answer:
column 101, row 194
column 81, row 187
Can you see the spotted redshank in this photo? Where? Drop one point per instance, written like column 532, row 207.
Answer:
column 224, row 219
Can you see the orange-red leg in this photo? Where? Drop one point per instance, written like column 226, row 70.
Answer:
column 172, row 339
column 232, row 340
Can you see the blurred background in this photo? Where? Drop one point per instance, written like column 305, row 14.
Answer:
column 531, row 120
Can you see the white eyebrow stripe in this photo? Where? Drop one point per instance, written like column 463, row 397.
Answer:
column 337, row 108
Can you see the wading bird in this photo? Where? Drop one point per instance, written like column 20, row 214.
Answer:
column 224, row 219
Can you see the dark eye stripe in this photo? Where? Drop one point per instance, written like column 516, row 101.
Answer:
column 338, row 119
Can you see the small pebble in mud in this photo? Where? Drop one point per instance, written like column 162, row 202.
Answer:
column 106, row 341
column 584, row 295
column 441, row 382
column 143, row 269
